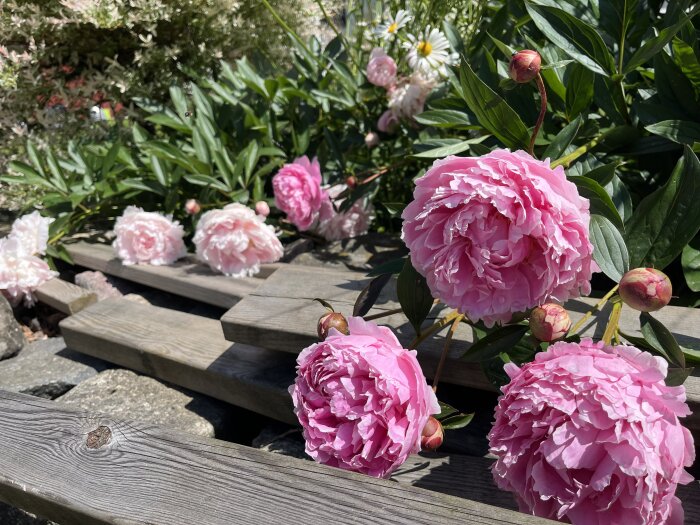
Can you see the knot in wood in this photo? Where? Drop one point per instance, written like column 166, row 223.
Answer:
column 99, row 437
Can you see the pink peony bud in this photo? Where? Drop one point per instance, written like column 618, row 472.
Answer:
column 351, row 181
column 645, row 289
column 371, row 139
column 432, row 435
column 524, row 66
column 262, row 208
column 192, row 207
column 549, row 322
column 331, row 320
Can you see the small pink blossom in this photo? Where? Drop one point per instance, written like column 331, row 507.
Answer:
column 372, row 140
column 144, row 237
column 381, row 69
column 32, row 233
column 335, row 225
column 362, row 400
column 235, row 241
column 499, row 234
column 407, row 98
column 192, row 207
column 262, row 208
column 21, row 273
column 590, row 434
column 388, row 122
column 298, row 193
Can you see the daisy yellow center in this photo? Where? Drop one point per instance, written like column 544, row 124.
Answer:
column 425, row 48
column 393, row 27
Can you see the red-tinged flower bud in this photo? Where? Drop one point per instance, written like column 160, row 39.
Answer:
column 331, row 320
column 549, row 322
column 645, row 289
column 432, row 435
column 351, row 181
column 524, row 66
column 262, row 208
column 192, row 207
column 371, row 139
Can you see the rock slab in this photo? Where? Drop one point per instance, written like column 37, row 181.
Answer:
column 11, row 336
column 47, row 369
column 122, row 394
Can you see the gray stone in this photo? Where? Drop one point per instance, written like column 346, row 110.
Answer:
column 12, row 516
column 123, row 394
column 281, row 439
column 11, row 336
column 47, row 369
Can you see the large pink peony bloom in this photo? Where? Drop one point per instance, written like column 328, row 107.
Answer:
column 21, row 272
column 145, row 237
column 362, row 400
column 499, row 234
column 589, row 433
column 336, row 226
column 32, row 233
column 235, row 241
column 381, row 69
column 298, row 193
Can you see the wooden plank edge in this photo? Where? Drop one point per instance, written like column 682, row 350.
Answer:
column 65, row 297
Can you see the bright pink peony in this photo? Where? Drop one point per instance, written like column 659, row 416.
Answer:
column 21, row 272
column 336, row 226
column 145, row 237
column 362, row 400
column 388, row 122
column 32, row 233
column 589, row 434
column 381, row 70
column 499, row 234
column 298, row 193
column 235, row 241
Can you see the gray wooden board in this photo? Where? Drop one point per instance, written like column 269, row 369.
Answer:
column 184, row 349
column 64, row 296
column 54, row 463
column 282, row 314
column 186, row 277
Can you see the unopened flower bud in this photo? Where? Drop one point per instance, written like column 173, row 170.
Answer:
column 371, row 139
column 524, row 66
column 432, row 435
column 262, row 208
column 192, row 207
column 645, row 289
column 351, row 181
column 331, row 320
column 549, row 322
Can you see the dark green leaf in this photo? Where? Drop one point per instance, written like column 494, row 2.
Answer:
column 690, row 260
column 603, row 175
column 414, row 295
column 658, row 336
column 609, row 249
column 451, row 149
column 600, row 201
column 579, row 90
column 444, row 118
column 391, row 267
column 369, row 295
column 677, row 376
column 500, row 340
column 681, row 131
column 558, row 146
column 456, row 421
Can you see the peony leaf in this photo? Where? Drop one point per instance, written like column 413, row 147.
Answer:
column 666, row 220
column 450, row 149
column 600, row 201
column 690, row 260
column 391, row 267
column 677, row 376
column 579, row 91
column 558, row 146
column 444, row 118
column 609, row 249
column 500, row 340
column 369, row 295
column 456, row 421
column 414, row 295
column 661, row 339
column 681, row 131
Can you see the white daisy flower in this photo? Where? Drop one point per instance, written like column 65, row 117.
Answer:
column 388, row 30
column 430, row 53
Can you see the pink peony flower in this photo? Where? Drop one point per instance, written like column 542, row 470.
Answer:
column 21, row 272
column 32, row 233
column 589, row 433
column 381, row 69
column 235, row 241
column 362, row 400
column 336, row 226
column 499, row 234
column 388, row 122
column 145, row 237
column 407, row 98
column 298, row 193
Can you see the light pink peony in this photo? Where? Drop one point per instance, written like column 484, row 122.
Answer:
column 21, row 272
column 362, row 400
column 499, row 234
column 235, row 241
column 388, row 122
column 589, row 434
column 145, row 237
column 262, row 208
column 336, row 226
column 32, row 233
column 298, row 193
column 407, row 98
column 381, row 69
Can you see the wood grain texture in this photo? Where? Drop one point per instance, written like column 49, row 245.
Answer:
column 150, row 475
column 282, row 314
column 187, row 350
column 186, row 277
column 65, row 297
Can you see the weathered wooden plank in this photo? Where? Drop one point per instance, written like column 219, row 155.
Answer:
column 186, row 277
column 282, row 314
column 187, row 350
column 64, row 296
column 78, row 468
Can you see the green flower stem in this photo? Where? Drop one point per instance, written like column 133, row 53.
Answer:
column 446, row 350
column 613, row 323
column 597, row 307
column 566, row 160
column 382, row 314
column 434, row 328
column 543, row 111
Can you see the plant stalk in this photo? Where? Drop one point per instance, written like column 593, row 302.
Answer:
column 566, row 160
column 613, row 323
column 383, row 314
column 543, row 111
column 433, row 328
column 445, row 351
column 597, row 307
